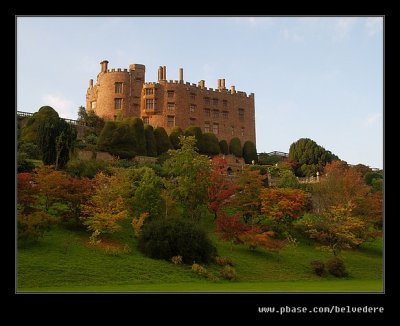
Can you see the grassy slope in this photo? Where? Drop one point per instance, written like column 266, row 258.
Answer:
column 61, row 262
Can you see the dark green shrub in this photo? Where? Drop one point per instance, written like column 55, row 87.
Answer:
column 151, row 145
column 228, row 273
column 174, row 137
column 223, row 146
column 86, row 168
column 211, row 144
column 249, row 152
column 336, row 267
column 138, row 132
column 235, row 147
column 318, row 267
column 23, row 164
column 166, row 238
column 31, row 150
column 162, row 140
column 198, row 134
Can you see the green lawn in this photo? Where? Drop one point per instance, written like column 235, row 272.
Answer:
column 61, row 262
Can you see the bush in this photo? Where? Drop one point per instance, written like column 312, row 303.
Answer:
column 235, row 147
column 228, row 273
column 85, row 168
column 174, row 137
column 198, row 134
column 24, row 165
column 318, row 267
column 336, row 267
column 249, row 152
column 223, row 146
column 165, row 238
column 202, row 271
column 151, row 146
column 210, row 144
column 222, row 261
column 162, row 140
column 176, row 260
column 33, row 226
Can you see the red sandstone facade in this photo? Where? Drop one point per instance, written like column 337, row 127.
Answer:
column 120, row 93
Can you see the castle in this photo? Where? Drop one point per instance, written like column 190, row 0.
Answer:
column 120, row 93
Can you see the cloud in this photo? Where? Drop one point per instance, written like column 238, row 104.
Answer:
column 64, row 107
column 372, row 118
column 374, row 25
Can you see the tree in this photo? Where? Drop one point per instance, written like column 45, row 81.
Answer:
column 340, row 186
column 90, row 119
column 26, row 192
column 151, row 146
column 247, row 196
column 188, row 177
column 309, row 156
column 249, row 152
column 65, row 142
column 335, row 229
column 105, row 207
column 174, row 137
column 210, row 144
column 230, row 228
column 147, row 195
column 235, row 147
column 283, row 204
column 162, row 140
column 223, row 146
column 29, row 133
column 221, row 188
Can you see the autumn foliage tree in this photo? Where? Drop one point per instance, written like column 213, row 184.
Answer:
column 221, row 187
column 105, row 207
column 335, row 229
column 247, row 196
column 234, row 230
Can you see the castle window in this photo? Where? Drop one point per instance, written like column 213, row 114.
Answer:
column 170, row 121
column 225, row 114
column 215, row 101
column 149, row 104
column 118, row 103
column 215, row 128
column 241, row 114
column 146, row 120
column 224, row 103
column 192, row 96
column 94, row 105
column 207, row 112
column 192, row 121
column 171, row 106
column 149, row 91
column 242, row 131
column 206, row 101
column 192, row 107
column 118, row 87
column 170, row 93
column 215, row 114
column 206, row 127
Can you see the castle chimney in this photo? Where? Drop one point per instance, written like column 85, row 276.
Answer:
column 223, row 83
column 165, row 73
column 219, row 83
column 160, row 73
column 181, row 75
column 90, row 83
column 201, row 84
column 104, row 66
column 233, row 90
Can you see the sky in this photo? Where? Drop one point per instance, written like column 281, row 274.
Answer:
column 313, row 77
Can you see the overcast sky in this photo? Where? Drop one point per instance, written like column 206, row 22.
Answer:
column 314, row 77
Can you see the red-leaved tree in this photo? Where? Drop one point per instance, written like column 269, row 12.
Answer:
column 221, row 188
